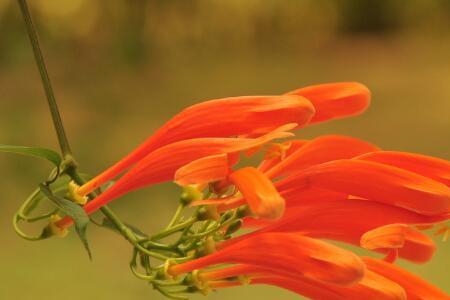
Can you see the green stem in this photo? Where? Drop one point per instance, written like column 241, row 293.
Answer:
column 176, row 216
column 174, row 229
column 57, row 122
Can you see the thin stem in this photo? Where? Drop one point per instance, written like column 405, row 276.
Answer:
column 174, row 229
column 57, row 122
column 176, row 216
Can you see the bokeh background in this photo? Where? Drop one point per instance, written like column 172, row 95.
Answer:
column 121, row 68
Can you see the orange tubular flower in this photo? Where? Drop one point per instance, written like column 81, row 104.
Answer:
column 415, row 287
column 376, row 182
column 285, row 254
column 393, row 237
column 320, row 150
column 371, row 287
column 161, row 164
column 348, row 221
column 216, row 118
column 336, row 100
column 204, row 170
column 259, row 193
column 432, row 167
column 257, row 190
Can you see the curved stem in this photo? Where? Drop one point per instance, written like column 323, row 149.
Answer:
column 176, row 216
column 22, row 234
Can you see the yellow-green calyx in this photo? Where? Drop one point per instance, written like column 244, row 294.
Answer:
column 193, row 279
column 53, row 230
column 72, row 194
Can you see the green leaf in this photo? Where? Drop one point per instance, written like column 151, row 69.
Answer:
column 44, row 153
column 73, row 210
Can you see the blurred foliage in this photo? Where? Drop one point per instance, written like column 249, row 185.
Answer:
column 121, row 68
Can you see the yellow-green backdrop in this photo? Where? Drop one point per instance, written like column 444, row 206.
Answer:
column 121, row 68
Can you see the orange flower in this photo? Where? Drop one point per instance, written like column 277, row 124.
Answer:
column 285, row 254
column 393, row 237
column 161, row 164
column 335, row 100
column 416, row 288
column 246, row 115
column 320, row 150
column 431, row 167
column 348, row 221
column 225, row 117
column 371, row 287
column 259, row 193
column 376, row 182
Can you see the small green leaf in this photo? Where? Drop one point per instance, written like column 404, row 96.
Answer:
column 44, row 153
column 73, row 210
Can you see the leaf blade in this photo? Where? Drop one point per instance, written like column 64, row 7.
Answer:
column 73, row 210
column 37, row 152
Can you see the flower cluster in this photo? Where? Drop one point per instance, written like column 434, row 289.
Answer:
column 302, row 193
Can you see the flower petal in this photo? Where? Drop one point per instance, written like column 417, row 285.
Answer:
column 161, row 164
column 259, row 193
column 335, row 100
column 347, row 221
column 415, row 246
column 371, row 287
column 320, row 150
column 375, row 182
column 216, row 118
column 288, row 254
column 203, row 170
column 416, row 288
column 432, row 167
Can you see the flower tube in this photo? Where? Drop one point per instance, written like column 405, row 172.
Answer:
column 246, row 115
column 288, row 254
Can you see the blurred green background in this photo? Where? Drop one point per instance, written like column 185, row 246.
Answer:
column 121, row 68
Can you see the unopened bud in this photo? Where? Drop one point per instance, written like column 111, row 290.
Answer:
column 208, row 212
column 190, row 194
column 235, row 226
column 208, row 247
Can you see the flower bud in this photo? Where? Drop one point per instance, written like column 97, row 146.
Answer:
column 190, row 194
column 208, row 247
column 208, row 212
column 235, row 226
